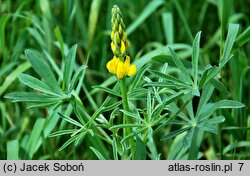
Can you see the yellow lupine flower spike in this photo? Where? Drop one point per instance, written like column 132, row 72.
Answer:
column 120, row 64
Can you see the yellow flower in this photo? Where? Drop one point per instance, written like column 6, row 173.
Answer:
column 120, row 64
column 121, row 70
column 112, row 65
column 130, row 69
column 125, row 69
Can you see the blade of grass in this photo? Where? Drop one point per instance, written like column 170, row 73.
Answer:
column 93, row 19
column 12, row 150
column 13, row 75
column 147, row 11
column 34, row 137
column 183, row 19
column 168, row 26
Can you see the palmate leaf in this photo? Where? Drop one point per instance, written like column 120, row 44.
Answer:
column 137, row 93
column 226, row 56
column 62, row 132
column 211, row 125
column 182, row 68
column 105, row 89
column 98, row 154
column 219, row 86
column 125, row 126
column 168, row 85
column 180, row 145
column 220, row 105
column 31, row 97
column 42, row 104
column 76, row 77
column 69, row 141
column 133, row 115
column 138, row 77
column 158, row 110
column 36, row 84
column 174, row 133
column 166, row 77
column 206, row 94
column 70, row 120
column 212, row 128
column 43, row 70
column 195, row 56
column 161, row 84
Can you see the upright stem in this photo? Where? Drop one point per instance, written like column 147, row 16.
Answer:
column 126, row 119
column 124, row 94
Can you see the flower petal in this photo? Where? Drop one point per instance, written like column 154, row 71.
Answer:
column 120, row 72
column 132, row 70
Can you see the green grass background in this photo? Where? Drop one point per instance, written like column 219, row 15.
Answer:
column 54, row 26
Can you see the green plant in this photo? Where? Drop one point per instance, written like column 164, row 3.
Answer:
column 174, row 102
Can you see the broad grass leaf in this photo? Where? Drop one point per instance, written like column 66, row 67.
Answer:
column 35, row 136
column 140, row 149
column 243, row 38
column 13, row 150
column 236, row 145
column 168, row 26
column 13, row 75
column 147, row 11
